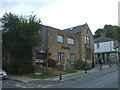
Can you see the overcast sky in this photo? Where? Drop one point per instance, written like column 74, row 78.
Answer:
column 64, row 14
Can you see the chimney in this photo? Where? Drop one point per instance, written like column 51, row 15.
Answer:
column 103, row 34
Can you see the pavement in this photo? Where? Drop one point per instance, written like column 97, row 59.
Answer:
column 56, row 79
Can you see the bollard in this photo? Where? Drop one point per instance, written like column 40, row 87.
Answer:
column 60, row 76
column 85, row 70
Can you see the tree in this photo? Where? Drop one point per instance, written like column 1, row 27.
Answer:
column 110, row 30
column 98, row 33
column 20, row 34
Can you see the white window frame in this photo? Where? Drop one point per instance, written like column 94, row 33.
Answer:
column 87, row 39
column 60, row 57
column 72, row 57
column 70, row 41
column 60, row 38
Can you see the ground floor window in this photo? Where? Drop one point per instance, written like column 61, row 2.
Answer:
column 72, row 57
column 60, row 57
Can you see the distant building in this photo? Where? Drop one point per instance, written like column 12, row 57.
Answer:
column 106, row 49
column 65, row 46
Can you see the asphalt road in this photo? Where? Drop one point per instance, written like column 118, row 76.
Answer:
column 11, row 84
column 8, row 83
column 102, row 79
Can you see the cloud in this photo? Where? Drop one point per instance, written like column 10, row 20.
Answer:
column 28, row 1
column 67, row 13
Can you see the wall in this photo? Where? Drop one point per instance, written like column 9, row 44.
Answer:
column 85, row 46
column 55, row 47
column 104, row 46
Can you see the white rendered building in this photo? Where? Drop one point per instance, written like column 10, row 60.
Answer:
column 106, row 49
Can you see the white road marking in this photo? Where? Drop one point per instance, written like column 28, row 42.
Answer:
column 6, row 83
column 47, row 86
column 19, row 86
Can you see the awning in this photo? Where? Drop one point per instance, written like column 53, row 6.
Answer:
column 108, row 52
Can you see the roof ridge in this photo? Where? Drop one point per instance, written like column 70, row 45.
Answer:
column 75, row 26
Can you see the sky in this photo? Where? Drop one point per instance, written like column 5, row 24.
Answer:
column 64, row 14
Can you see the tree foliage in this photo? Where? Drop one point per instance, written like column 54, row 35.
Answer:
column 19, row 35
column 110, row 30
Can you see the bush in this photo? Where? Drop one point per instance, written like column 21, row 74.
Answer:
column 80, row 65
column 14, row 69
column 70, row 71
column 9, row 67
column 89, row 67
column 52, row 63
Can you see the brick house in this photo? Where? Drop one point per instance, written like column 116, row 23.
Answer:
column 66, row 45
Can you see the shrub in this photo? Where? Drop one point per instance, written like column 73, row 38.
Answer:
column 70, row 71
column 80, row 65
column 52, row 63
column 89, row 67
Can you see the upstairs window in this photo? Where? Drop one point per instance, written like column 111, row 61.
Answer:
column 87, row 39
column 70, row 41
column 60, row 38
column 98, row 45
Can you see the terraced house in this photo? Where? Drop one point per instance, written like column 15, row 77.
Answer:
column 65, row 46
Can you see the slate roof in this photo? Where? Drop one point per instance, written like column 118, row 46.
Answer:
column 103, row 39
column 77, row 29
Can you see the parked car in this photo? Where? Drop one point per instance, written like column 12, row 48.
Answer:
column 3, row 74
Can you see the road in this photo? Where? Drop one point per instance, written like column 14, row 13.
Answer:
column 102, row 79
column 8, row 83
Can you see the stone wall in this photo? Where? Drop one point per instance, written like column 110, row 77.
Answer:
column 54, row 46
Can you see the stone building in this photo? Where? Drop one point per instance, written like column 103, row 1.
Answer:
column 66, row 45
column 86, row 41
column 106, row 49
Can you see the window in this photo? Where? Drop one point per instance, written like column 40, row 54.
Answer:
column 72, row 58
column 114, row 45
column 60, row 57
column 87, row 39
column 98, row 45
column 70, row 41
column 60, row 38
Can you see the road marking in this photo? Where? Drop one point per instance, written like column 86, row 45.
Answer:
column 6, row 83
column 47, row 86
column 19, row 86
